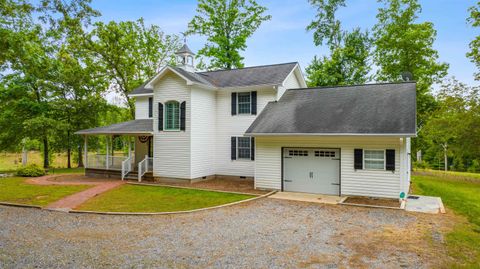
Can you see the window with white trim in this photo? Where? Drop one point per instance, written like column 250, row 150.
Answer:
column 172, row 116
column 374, row 159
column 243, row 148
column 244, row 102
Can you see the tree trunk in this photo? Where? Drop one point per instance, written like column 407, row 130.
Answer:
column 445, row 157
column 80, row 159
column 46, row 162
column 69, row 150
column 24, row 156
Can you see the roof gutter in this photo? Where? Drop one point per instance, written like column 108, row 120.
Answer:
column 331, row 134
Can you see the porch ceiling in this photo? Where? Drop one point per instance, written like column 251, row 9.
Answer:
column 133, row 127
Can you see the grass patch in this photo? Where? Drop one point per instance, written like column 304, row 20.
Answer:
column 77, row 170
column 136, row 198
column 461, row 193
column 15, row 190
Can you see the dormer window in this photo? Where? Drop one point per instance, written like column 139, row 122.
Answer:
column 172, row 116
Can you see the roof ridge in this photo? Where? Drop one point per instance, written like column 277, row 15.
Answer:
column 248, row 67
column 352, row 85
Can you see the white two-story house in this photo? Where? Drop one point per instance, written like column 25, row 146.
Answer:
column 263, row 123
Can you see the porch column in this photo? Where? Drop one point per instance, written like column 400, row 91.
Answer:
column 129, row 138
column 106, row 155
column 85, row 148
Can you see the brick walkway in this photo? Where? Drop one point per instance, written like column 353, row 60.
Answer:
column 74, row 200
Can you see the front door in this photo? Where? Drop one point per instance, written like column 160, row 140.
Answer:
column 311, row 170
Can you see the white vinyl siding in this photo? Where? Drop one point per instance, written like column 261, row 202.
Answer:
column 376, row 183
column 203, row 132
column 141, row 107
column 291, row 82
column 228, row 126
column 171, row 150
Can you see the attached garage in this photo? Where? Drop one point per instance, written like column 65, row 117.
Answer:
column 340, row 141
column 312, row 170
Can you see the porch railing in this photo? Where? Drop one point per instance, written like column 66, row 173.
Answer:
column 126, row 166
column 102, row 161
column 146, row 165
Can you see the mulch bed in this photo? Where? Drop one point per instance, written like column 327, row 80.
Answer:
column 373, row 201
column 220, row 184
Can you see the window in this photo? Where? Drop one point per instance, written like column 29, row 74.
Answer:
column 295, row 152
column 323, row 153
column 374, row 159
column 243, row 148
column 244, row 103
column 172, row 116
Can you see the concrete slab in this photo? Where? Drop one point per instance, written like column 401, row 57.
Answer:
column 308, row 197
column 424, row 204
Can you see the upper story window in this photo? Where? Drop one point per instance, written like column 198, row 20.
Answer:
column 172, row 116
column 244, row 103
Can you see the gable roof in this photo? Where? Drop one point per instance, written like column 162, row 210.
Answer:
column 243, row 77
column 142, row 126
column 371, row 109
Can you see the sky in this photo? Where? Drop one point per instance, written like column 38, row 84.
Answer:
column 284, row 38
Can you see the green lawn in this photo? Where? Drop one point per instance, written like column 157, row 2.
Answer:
column 136, row 198
column 461, row 193
column 15, row 190
column 77, row 170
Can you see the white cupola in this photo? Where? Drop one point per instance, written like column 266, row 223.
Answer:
column 185, row 58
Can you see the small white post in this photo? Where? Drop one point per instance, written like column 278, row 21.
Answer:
column 129, row 146
column 106, row 155
column 146, row 163
column 85, row 152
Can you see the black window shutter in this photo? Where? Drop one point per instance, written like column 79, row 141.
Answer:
column 254, row 103
column 160, row 116
column 234, row 103
column 150, row 107
column 390, row 159
column 358, row 159
column 233, row 148
column 182, row 115
column 252, row 148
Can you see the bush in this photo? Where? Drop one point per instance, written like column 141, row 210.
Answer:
column 32, row 170
column 475, row 167
column 422, row 165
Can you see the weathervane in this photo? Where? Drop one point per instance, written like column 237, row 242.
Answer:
column 184, row 37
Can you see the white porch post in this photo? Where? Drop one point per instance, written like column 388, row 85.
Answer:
column 106, row 155
column 129, row 138
column 85, row 152
column 146, row 163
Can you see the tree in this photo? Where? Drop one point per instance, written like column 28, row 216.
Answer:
column 474, row 54
column 349, row 51
column 129, row 53
column 227, row 24
column 401, row 45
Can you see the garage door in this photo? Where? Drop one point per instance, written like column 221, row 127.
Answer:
column 311, row 170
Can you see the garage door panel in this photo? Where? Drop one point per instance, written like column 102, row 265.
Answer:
column 311, row 170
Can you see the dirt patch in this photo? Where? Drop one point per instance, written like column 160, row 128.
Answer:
column 222, row 184
column 373, row 201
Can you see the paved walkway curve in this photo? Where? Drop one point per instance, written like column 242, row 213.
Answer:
column 72, row 201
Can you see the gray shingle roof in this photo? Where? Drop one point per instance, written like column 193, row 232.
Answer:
column 243, row 77
column 250, row 76
column 143, row 126
column 184, row 49
column 388, row 108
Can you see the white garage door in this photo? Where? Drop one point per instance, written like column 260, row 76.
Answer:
column 311, row 170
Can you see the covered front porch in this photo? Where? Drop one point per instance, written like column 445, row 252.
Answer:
column 123, row 150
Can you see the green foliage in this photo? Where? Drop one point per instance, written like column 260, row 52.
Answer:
column 349, row 51
column 420, row 165
column 474, row 53
column 454, row 124
column 129, row 53
column 31, row 170
column 227, row 25
column 402, row 45
column 474, row 167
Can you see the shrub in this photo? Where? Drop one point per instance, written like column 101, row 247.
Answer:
column 32, row 170
column 475, row 167
column 420, row 165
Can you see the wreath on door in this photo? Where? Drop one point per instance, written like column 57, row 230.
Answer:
column 143, row 139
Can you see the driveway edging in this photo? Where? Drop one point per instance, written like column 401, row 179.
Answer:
column 20, row 205
column 191, row 188
column 172, row 212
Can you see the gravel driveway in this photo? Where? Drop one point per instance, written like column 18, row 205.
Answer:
column 265, row 233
